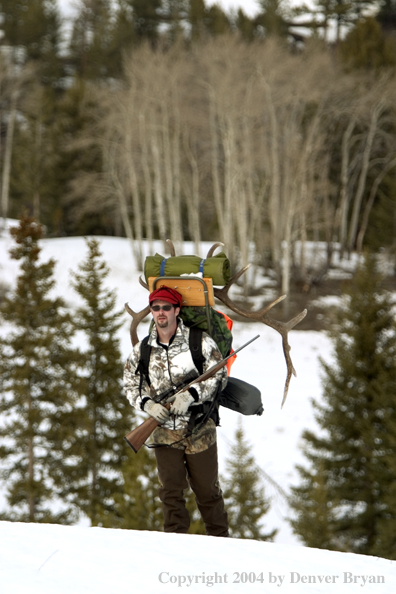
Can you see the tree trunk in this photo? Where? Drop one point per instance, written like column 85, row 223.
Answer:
column 342, row 212
column 375, row 114
column 5, row 185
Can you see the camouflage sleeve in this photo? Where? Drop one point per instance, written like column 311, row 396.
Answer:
column 132, row 380
column 207, row 389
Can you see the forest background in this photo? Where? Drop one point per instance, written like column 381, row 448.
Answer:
column 155, row 119
column 171, row 118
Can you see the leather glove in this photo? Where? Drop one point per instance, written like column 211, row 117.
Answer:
column 157, row 411
column 181, row 403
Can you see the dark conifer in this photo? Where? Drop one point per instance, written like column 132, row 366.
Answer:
column 244, row 495
column 368, row 47
column 37, row 375
column 103, row 415
column 139, row 507
column 349, row 487
column 33, row 29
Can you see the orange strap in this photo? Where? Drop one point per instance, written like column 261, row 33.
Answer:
column 230, row 324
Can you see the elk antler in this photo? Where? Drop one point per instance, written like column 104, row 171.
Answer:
column 136, row 319
column 213, row 248
column 171, row 248
column 143, row 283
column 261, row 316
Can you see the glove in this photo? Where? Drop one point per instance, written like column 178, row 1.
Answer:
column 181, row 403
column 157, row 411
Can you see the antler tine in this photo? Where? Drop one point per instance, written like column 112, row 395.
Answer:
column 171, row 248
column 261, row 316
column 136, row 319
column 223, row 293
column 143, row 283
column 213, row 248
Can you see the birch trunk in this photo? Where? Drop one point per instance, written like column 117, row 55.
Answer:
column 148, row 185
column 342, row 214
column 193, row 197
column 375, row 114
column 160, row 206
column 5, row 182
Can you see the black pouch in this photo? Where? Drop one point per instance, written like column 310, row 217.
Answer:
column 241, row 397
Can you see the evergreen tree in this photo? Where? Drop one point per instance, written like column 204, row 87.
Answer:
column 37, row 381
column 146, row 19
column 33, row 26
column 217, row 22
column 367, row 47
column 244, row 495
column 103, row 416
column 124, row 36
column 92, row 39
column 272, row 18
column 34, row 183
column 75, row 211
column 349, row 487
column 245, row 25
column 196, row 19
column 387, row 15
column 138, row 507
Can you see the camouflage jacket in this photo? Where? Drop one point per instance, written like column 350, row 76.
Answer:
column 168, row 367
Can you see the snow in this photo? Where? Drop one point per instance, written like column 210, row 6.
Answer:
column 57, row 559
column 50, row 559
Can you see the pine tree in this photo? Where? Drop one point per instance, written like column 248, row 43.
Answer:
column 367, row 47
column 352, row 461
column 33, row 26
column 92, row 39
column 244, row 495
column 146, row 19
column 103, row 415
column 37, row 377
column 138, row 507
column 272, row 18
column 314, row 509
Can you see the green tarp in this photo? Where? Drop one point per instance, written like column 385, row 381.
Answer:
column 217, row 267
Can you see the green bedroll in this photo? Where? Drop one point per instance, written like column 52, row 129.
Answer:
column 216, row 267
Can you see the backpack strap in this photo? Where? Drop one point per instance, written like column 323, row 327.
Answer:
column 143, row 366
column 205, row 410
column 195, row 344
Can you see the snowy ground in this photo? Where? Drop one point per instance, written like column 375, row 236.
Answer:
column 46, row 559
column 57, row 559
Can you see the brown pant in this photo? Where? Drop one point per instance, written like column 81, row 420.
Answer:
column 174, row 466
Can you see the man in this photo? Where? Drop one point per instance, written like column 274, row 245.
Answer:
column 180, row 455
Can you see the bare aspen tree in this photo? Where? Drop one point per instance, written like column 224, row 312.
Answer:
column 238, row 140
column 191, row 188
column 295, row 110
column 12, row 79
column 5, row 182
column 342, row 212
column 376, row 111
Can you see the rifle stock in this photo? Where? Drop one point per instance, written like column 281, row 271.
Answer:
column 139, row 435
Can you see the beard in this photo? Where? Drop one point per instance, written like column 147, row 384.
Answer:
column 163, row 323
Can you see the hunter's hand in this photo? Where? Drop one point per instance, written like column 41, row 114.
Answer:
column 181, row 403
column 157, row 411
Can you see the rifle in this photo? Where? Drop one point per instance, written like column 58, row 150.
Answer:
column 137, row 437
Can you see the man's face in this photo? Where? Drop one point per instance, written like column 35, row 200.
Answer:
column 164, row 318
